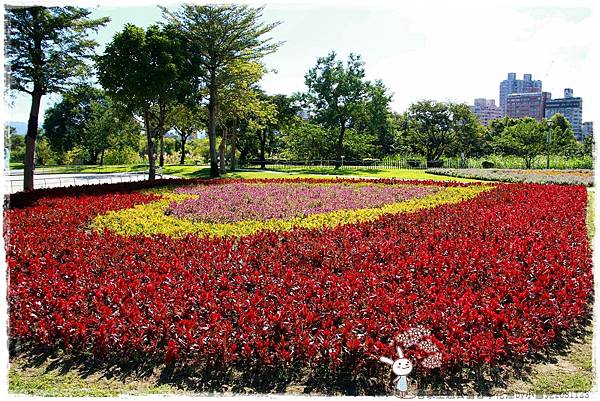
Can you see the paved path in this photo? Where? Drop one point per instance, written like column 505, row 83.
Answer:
column 13, row 182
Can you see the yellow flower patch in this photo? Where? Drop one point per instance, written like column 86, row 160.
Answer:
column 150, row 219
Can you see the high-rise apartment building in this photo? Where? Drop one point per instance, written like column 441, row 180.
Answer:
column 570, row 107
column 587, row 129
column 513, row 85
column 486, row 110
column 519, row 105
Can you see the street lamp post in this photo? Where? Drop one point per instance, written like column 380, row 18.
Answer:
column 342, row 161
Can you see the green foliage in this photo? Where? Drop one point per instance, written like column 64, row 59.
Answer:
column 525, row 139
column 48, row 48
column 375, row 119
column 47, row 51
column 493, row 131
column 139, row 69
column 87, row 119
column 528, row 138
column 562, row 137
column 17, row 148
column 76, row 156
column 142, row 72
column 186, row 121
column 468, row 131
column 434, row 129
column 359, row 145
column 308, row 141
column 587, row 146
column 44, row 154
column 217, row 39
column 198, row 150
column 336, row 94
column 123, row 155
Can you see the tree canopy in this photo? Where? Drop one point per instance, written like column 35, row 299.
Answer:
column 217, row 37
column 336, row 94
column 140, row 70
column 525, row 139
column 48, row 50
column 86, row 118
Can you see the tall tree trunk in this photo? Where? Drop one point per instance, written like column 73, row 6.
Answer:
column 150, row 148
column 234, row 145
column 30, row 138
column 212, row 126
column 339, row 148
column 102, row 157
column 263, row 140
column 222, row 147
column 182, row 159
column 94, row 157
column 161, row 159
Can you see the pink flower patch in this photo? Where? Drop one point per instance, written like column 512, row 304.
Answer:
column 249, row 201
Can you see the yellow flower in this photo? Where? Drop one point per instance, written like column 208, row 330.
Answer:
column 150, row 219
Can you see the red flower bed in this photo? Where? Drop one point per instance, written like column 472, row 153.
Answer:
column 492, row 278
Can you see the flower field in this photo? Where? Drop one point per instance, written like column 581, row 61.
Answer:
column 220, row 275
column 567, row 177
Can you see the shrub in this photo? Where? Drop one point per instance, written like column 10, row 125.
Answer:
column 124, row 155
column 435, row 163
column 76, row 156
column 487, row 164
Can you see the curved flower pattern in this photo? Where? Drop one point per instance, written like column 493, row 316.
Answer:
column 492, row 278
column 206, row 210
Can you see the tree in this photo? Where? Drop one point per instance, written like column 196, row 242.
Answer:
column 16, row 145
column 217, row 37
column 110, row 129
column 239, row 100
column 493, row 131
column 434, row 129
column 86, row 118
column 140, row 70
column 309, row 141
column 261, row 122
column 47, row 51
column 336, row 93
column 468, row 131
column 186, row 122
column 428, row 128
column 562, row 137
column 588, row 144
column 376, row 118
column 526, row 139
column 269, row 118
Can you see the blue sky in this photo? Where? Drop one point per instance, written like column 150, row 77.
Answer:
column 425, row 49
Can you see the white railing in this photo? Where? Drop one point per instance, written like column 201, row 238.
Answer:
column 14, row 184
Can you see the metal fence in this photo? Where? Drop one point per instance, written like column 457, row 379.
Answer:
column 417, row 164
column 14, row 183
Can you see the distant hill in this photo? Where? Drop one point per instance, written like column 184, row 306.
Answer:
column 20, row 126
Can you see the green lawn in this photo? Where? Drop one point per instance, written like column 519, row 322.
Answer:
column 203, row 172
column 407, row 174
